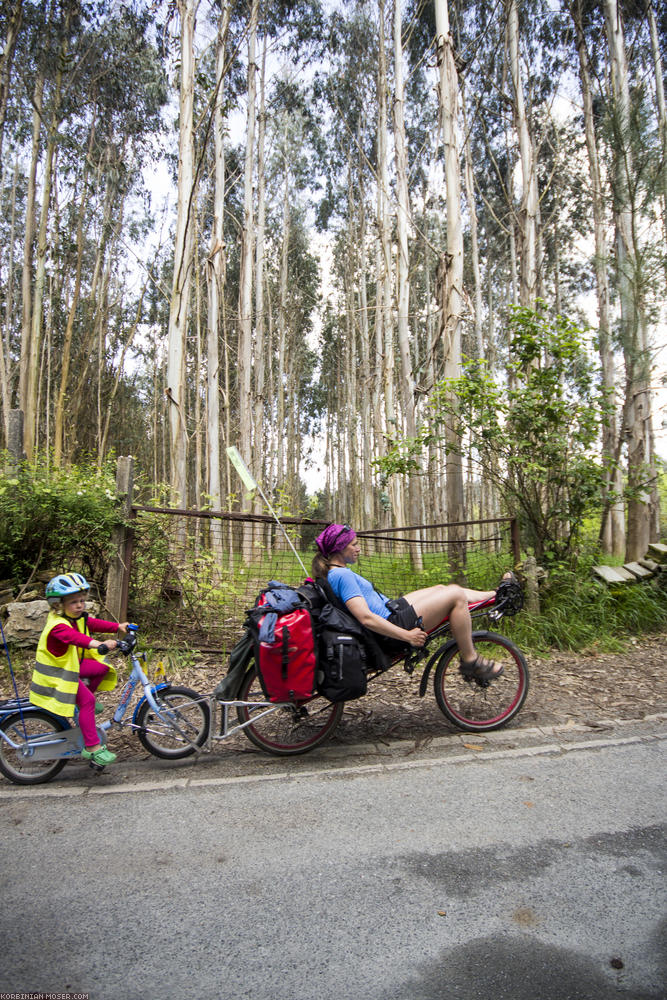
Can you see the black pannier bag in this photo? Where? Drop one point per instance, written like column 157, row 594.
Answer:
column 343, row 661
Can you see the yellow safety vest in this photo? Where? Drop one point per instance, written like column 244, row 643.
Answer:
column 55, row 679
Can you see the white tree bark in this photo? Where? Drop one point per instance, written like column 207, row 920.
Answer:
column 183, row 259
column 403, row 215
column 260, row 354
column 384, row 319
column 660, row 105
column 637, row 428
column 451, row 265
column 215, row 272
column 529, row 196
column 245, row 278
column 613, row 536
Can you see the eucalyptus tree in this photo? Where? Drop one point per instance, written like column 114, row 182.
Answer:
column 83, row 106
column 613, row 527
column 628, row 166
column 183, row 254
column 215, row 269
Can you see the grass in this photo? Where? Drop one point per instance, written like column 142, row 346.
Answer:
column 581, row 615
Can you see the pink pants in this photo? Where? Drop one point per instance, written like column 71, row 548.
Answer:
column 93, row 671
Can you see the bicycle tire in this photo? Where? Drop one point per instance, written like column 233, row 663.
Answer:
column 289, row 729
column 472, row 706
column 25, row 770
column 192, row 715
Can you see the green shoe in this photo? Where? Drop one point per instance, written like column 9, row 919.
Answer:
column 99, row 708
column 101, row 756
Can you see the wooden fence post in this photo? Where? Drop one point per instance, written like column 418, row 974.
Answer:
column 532, row 591
column 118, row 577
column 515, row 540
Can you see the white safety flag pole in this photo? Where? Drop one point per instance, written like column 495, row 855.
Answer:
column 251, row 484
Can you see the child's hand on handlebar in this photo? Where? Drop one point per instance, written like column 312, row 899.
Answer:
column 104, row 647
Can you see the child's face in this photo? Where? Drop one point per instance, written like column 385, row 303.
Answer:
column 74, row 606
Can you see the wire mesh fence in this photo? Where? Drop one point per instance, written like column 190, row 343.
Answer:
column 192, row 575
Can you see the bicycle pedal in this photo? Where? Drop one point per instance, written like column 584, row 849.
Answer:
column 95, row 768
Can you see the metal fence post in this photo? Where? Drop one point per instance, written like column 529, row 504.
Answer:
column 118, row 576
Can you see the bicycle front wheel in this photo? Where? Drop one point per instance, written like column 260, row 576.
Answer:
column 26, row 770
column 477, row 706
column 285, row 730
column 183, row 723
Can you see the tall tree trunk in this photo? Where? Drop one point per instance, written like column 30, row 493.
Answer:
column 69, row 329
column 364, row 381
column 28, row 249
column 403, row 216
column 259, row 440
column 14, row 20
column 245, row 278
column 183, row 259
column 384, row 304
column 215, row 272
column 637, row 428
column 283, row 333
column 5, row 340
column 32, row 372
column 474, row 241
column 451, row 269
column 660, row 105
column 529, row 197
column 613, row 530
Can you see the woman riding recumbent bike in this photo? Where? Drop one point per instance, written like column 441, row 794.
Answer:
column 474, row 700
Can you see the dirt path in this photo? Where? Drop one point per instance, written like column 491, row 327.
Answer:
column 564, row 689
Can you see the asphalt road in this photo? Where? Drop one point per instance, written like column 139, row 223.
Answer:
column 529, row 867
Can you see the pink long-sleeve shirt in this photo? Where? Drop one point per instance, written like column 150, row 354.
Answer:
column 61, row 635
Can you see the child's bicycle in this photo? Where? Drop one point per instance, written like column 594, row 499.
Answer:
column 35, row 744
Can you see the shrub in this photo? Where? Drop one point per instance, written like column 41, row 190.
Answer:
column 60, row 519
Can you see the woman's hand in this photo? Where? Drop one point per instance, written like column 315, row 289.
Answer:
column 122, row 627
column 417, row 637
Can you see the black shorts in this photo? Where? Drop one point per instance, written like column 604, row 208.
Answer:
column 403, row 615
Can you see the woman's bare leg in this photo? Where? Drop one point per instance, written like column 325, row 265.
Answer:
column 434, row 604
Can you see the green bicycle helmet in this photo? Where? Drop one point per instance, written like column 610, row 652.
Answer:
column 65, row 585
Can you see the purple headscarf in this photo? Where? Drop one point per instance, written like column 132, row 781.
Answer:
column 334, row 539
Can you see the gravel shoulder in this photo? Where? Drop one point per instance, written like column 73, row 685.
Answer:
column 565, row 689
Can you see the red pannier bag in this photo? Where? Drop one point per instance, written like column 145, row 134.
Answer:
column 285, row 645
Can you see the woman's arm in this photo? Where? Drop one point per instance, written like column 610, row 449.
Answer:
column 358, row 607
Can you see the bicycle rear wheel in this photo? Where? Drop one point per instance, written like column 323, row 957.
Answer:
column 191, row 718
column 285, row 730
column 477, row 706
column 28, row 770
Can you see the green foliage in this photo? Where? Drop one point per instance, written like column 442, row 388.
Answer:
column 580, row 614
column 56, row 520
column 535, row 437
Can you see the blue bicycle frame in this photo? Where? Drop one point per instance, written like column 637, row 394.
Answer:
column 69, row 742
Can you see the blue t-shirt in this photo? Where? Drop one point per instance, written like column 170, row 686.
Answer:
column 345, row 584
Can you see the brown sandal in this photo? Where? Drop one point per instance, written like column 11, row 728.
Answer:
column 480, row 669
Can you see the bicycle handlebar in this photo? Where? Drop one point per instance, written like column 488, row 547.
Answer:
column 122, row 645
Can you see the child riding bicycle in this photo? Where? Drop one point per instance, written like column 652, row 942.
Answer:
column 68, row 669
